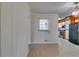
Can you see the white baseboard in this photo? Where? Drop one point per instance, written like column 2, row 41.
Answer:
column 44, row 42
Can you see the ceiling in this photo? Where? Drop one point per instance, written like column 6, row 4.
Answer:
column 51, row 7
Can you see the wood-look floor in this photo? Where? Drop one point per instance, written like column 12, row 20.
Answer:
column 43, row 50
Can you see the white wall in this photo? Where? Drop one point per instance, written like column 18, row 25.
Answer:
column 41, row 36
column 0, row 29
column 15, row 29
column 67, row 13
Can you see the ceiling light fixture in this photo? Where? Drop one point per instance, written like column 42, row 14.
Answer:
column 76, row 10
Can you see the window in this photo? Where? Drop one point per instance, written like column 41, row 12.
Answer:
column 43, row 24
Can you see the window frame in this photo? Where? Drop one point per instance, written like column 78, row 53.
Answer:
column 45, row 25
